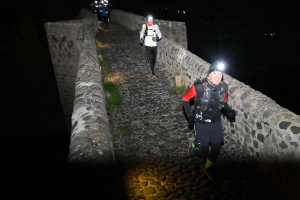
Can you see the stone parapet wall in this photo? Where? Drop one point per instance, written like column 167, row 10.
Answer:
column 181, row 62
column 91, row 141
column 90, row 18
column 267, row 132
column 172, row 30
column 64, row 39
column 64, row 51
column 78, row 76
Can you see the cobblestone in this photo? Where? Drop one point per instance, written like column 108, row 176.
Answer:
column 153, row 159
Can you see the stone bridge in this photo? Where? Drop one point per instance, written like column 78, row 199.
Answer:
column 153, row 157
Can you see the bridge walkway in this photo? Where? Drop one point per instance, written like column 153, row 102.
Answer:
column 152, row 157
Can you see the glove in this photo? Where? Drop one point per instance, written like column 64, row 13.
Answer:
column 142, row 40
column 191, row 121
column 155, row 39
column 231, row 113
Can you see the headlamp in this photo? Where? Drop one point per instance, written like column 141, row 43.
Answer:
column 221, row 66
column 150, row 17
column 216, row 66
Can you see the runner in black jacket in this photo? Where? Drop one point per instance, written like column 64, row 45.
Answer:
column 210, row 96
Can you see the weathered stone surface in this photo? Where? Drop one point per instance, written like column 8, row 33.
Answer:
column 258, row 125
column 295, row 129
column 261, row 137
column 136, row 186
column 160, row 188
column 295, row 144
column 154, row 183
column 284, row 125
column 283, row 145
column 149, row 190
column 175, row 169
column 171, row 179
column 144, row 184
column 152, row 198
column 65, row 46
column 183, row 177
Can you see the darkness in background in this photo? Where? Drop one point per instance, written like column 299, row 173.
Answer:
column 27, row 77
column 34, row 141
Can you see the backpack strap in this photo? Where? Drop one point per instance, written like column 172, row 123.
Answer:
column 203, row 95
column 199, row 88
column 223, row 92
column 146, row 31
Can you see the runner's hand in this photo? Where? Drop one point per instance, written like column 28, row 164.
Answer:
column 231, row 113
column 191, row 121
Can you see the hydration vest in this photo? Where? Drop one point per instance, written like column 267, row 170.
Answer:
column 149, row 32
column 207, row 94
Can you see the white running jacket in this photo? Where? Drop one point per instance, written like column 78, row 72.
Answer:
column 152, row 31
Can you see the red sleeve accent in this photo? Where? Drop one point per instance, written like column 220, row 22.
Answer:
column 226, row 96
column 189, row 94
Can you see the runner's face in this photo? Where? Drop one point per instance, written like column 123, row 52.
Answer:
column 150, row 22
column 215, row 77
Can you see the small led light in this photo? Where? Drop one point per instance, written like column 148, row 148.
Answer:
column 221, row 66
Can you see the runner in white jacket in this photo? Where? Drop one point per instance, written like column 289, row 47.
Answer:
column 150, row 35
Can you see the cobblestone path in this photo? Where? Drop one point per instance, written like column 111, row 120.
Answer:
column 152, row 158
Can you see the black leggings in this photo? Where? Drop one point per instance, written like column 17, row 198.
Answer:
column 209, row 134
column 151, row 56
column 214, row 151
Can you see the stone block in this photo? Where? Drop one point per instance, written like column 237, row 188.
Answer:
column 179, row 81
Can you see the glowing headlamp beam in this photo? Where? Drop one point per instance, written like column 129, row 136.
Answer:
column 221, row 66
